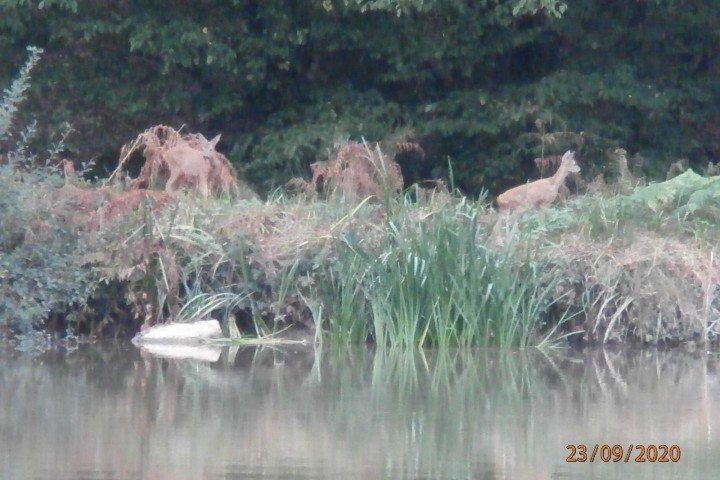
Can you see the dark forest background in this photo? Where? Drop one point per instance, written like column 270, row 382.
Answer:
column 485, row 86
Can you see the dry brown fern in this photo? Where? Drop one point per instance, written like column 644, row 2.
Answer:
column 405, row 147
column 402, row 142
column 300, row 186
column 120, row 205
column 356, row 170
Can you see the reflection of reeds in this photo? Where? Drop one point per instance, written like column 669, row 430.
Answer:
column 354, row 414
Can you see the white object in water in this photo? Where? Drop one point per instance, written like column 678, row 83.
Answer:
column 180, row 333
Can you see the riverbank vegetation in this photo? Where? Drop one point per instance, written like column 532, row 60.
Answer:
column 352, row 258
column 423, row 267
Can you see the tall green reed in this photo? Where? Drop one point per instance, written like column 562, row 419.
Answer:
column 435, row 280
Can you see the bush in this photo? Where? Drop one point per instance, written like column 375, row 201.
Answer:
column 42, row 271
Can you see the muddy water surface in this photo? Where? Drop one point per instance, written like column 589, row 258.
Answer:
column 110, row 412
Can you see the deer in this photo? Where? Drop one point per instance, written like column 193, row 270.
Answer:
column 68, row 171
column 196, row 165
column 539, row 193
column 190, row 164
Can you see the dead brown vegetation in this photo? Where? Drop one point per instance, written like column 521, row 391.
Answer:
column 659, row 290
column 120, row 204
column 620, row 175
column 93, row 207
column 180, row 160
column 354, row 171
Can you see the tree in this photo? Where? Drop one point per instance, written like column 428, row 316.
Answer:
column 282, row 80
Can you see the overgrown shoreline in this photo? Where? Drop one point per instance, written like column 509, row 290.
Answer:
column 348, row 256
column 425, row 268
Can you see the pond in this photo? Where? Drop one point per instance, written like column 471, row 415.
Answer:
column 112, row 412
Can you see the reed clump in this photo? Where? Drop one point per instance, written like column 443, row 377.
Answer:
column 432, row 279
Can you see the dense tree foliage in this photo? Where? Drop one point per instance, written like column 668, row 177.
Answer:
column 489, row 84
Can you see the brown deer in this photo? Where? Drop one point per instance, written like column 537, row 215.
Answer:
column 194, row 164
column 539, row 193
column 68, row 171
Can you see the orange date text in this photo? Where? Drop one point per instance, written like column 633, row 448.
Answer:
column 623, row 453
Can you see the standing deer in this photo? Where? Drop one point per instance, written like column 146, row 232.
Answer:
column 539, row 193
column 191, row 164
column 195, row 164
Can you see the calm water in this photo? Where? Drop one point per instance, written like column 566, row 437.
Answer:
column 114, row 413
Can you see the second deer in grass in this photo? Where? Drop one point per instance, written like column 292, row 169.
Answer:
column 539, row 193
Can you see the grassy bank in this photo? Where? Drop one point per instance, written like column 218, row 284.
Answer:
column 349, row 256
column 425, row 268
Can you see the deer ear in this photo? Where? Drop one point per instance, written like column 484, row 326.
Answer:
column 215, row 140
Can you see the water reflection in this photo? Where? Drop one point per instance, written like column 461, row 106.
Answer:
column 101, row 413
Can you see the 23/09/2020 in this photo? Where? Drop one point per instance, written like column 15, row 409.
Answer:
column 617, row 453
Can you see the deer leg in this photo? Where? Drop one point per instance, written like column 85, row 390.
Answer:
column 173, row 181
column 203, row 185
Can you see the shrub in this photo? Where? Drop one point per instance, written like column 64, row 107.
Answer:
column 42, row 271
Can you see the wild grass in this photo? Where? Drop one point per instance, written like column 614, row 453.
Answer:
column 633, row 270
